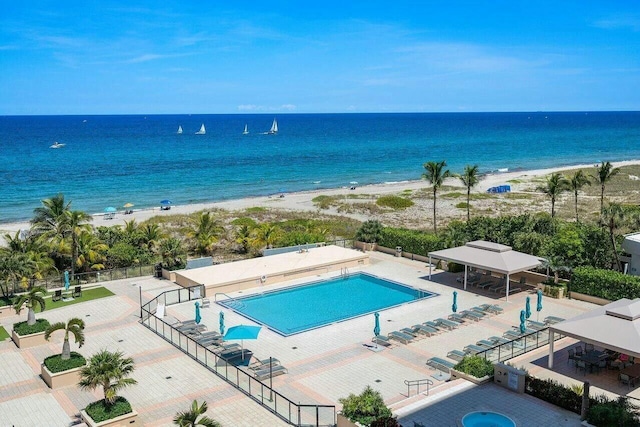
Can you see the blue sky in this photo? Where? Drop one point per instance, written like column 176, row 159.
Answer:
column 136, row 57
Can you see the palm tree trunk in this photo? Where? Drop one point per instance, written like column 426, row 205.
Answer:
column 435, row 227
column 468, row 200
column 66, row 350
column 74, row 256
column 553, row 207
column 601, row 198
column 615, row 249
column 31, row 317
column 576, row 199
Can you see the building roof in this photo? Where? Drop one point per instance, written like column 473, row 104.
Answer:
column 489, row 256
column 615, row 326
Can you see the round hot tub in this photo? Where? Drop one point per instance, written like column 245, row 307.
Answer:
column 487, row 419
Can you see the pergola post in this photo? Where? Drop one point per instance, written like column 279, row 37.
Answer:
column 466, row 268
column 507, row 287
column 429, row 267
column 551, row 341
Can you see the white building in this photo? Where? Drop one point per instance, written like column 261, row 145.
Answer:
column 631, row 245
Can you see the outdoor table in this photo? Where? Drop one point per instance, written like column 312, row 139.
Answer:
column 592, row 358
column 632, row 371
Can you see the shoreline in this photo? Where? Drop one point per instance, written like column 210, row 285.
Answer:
column 302, row 200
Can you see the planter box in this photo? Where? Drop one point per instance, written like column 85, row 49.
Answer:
column 123, row 420
column 548, row 294
column 26, row 341
column 589, row 298
column 7, row 311
column 457, row 374
column 169, row 275
column 60, row 379
column 346, row 422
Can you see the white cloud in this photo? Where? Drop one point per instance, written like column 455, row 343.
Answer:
column 630, row 22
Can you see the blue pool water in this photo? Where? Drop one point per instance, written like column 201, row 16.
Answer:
column 487, row 419
column 293, row 310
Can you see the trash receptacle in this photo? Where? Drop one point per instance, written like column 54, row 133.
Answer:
column 158, row 271
column 398, row 251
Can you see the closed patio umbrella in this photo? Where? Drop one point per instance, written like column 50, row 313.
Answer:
column 539, row 304
column 376, row 326
column 221, row 323
column 527, row 307
column 198, row 317
column 454, row 306
column 523, row 328
column 242, row 332
column 66, row 280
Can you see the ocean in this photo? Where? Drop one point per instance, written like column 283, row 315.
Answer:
column 113, row 160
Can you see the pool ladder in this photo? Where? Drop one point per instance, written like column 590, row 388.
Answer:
column 344, row 272
column 235, row 304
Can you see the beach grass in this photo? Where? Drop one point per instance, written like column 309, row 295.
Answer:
column 3, row 334
column 87, row 295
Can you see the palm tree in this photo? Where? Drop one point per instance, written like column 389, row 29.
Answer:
column 604, row 173
column 109, row 370
column 150, row 235
column 242, row 236
column 49, row 216
column 470, row 179
column 31, row 299
column 76, row 222
column 555, row 185
column 205, row 231
column 613, row 217
column 172, row 252
column 15, row 267
column 74, row 326
column 190, row 418
column 91, row 252
column 578, row 180
column 435, row 174
column 265, row 234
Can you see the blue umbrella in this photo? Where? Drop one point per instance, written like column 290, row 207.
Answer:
column 221, row 323
column 165, row 202
column 376, row 326
column 110, row 209
column 539, row 305
column 198, row 317
column 523, row 328
column 527, row 307
column 454, row 306
column 242, row 332
column 66, row 280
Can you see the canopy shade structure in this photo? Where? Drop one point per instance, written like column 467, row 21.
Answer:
column 615, row 326
column 488, row 256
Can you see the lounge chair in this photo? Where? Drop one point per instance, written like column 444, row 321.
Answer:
column 514, row 290
column 435, row 326
column 491, row 308
column 225, row 349
column 457, row 317
column 424, row 329
column 512, row 335
column 447, row 323
column 264, row 364
column 497, row 288
column 474, row 349
column 486, row 344
column 457, row 355
column 440, row 364
column 274, row 371
column 401, row 336
column 381, row 340
column 77, row 292
column 499, row 341
column 410, row 331
column 471, row 315
column 485, row 284
column 536, row 325
column 480, row 311
column 553, row 320
column 57, row 295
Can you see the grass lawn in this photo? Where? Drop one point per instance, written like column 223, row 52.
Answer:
column 87, row 295
column 3, row 334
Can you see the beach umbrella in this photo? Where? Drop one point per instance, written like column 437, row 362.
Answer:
column 527, row 307
column 539, row 305
column 198, row 317
column 454, row 306
column 376, row 326
column 66, row 280
column 242, row 332
column 165, row 202
column 128, row 205
column 110, row 209
column 221, row 323
column 522, row 319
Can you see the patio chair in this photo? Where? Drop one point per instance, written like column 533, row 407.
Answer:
column 491, row 308
column 485, row 284
column 457, row 317
column 600, row 365
column 499, row 341
column 498, row 288
column 57, row 295
column 401, row 336
column 77, row 292
column 626, row 379
column 536, row 325
column 205, row 303
column 579, row 351
column 435, row 326
column 447, row 323
column 410, row 331
column 457, row 355
column 424, row 329
column 440, row 364
column 270, row 372
column 480, row 311
column 572, row 355
column 486, row 344
column 589, row 347
column 474, row 349
column 629, row 362
column 468, row 314
column 514, row 290
column 381, row 340
column 581, row 364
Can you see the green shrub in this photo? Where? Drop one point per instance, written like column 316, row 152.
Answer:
column 620, row 413
column 365, row 408
column 462, row 205
column 455, row 268
column 412, row 241
column 606, row 284
column 476, row 366
column 99, row 411
column 6, row 301
column 21, row 328
column 553, row 392
column 256, row 209
column 249, row 222
column 369, row 232
column 323, row 202
column 394, row 202
column 56, row 364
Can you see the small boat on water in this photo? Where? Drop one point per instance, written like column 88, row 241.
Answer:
column 57, row 145
column 179, row 130
column 202, row 130
column 246, row 130
column 274, row 128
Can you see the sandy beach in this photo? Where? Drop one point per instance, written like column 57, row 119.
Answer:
column 302, row 201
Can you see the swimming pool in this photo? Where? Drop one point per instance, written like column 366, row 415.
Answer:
column 301, row 308
column 487, row 419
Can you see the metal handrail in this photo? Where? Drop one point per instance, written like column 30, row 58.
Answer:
column 264, row 395
column 417, row 383
column 511, row 349
column 236, row 301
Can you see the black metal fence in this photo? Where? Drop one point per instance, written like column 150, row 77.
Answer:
column 518, row 346
column 294, row 413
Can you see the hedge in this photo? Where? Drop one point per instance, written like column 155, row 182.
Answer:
column 412, row 241
column 554, row 392
column 606, row 284
column 99, row 411
column 55, row 363
column 475, row 365
column 22, row 328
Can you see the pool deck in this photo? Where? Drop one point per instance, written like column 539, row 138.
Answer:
column 324, row 364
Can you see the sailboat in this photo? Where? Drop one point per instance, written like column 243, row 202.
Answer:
column 57, row 145
column 179, row 130
column 202, row 130
column 246, row 130
column 274, row 128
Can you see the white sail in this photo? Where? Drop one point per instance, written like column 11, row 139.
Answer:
column 246, row 130
column 274, row 127
column 57, row 145
column 202, row 130
column 179, row 129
